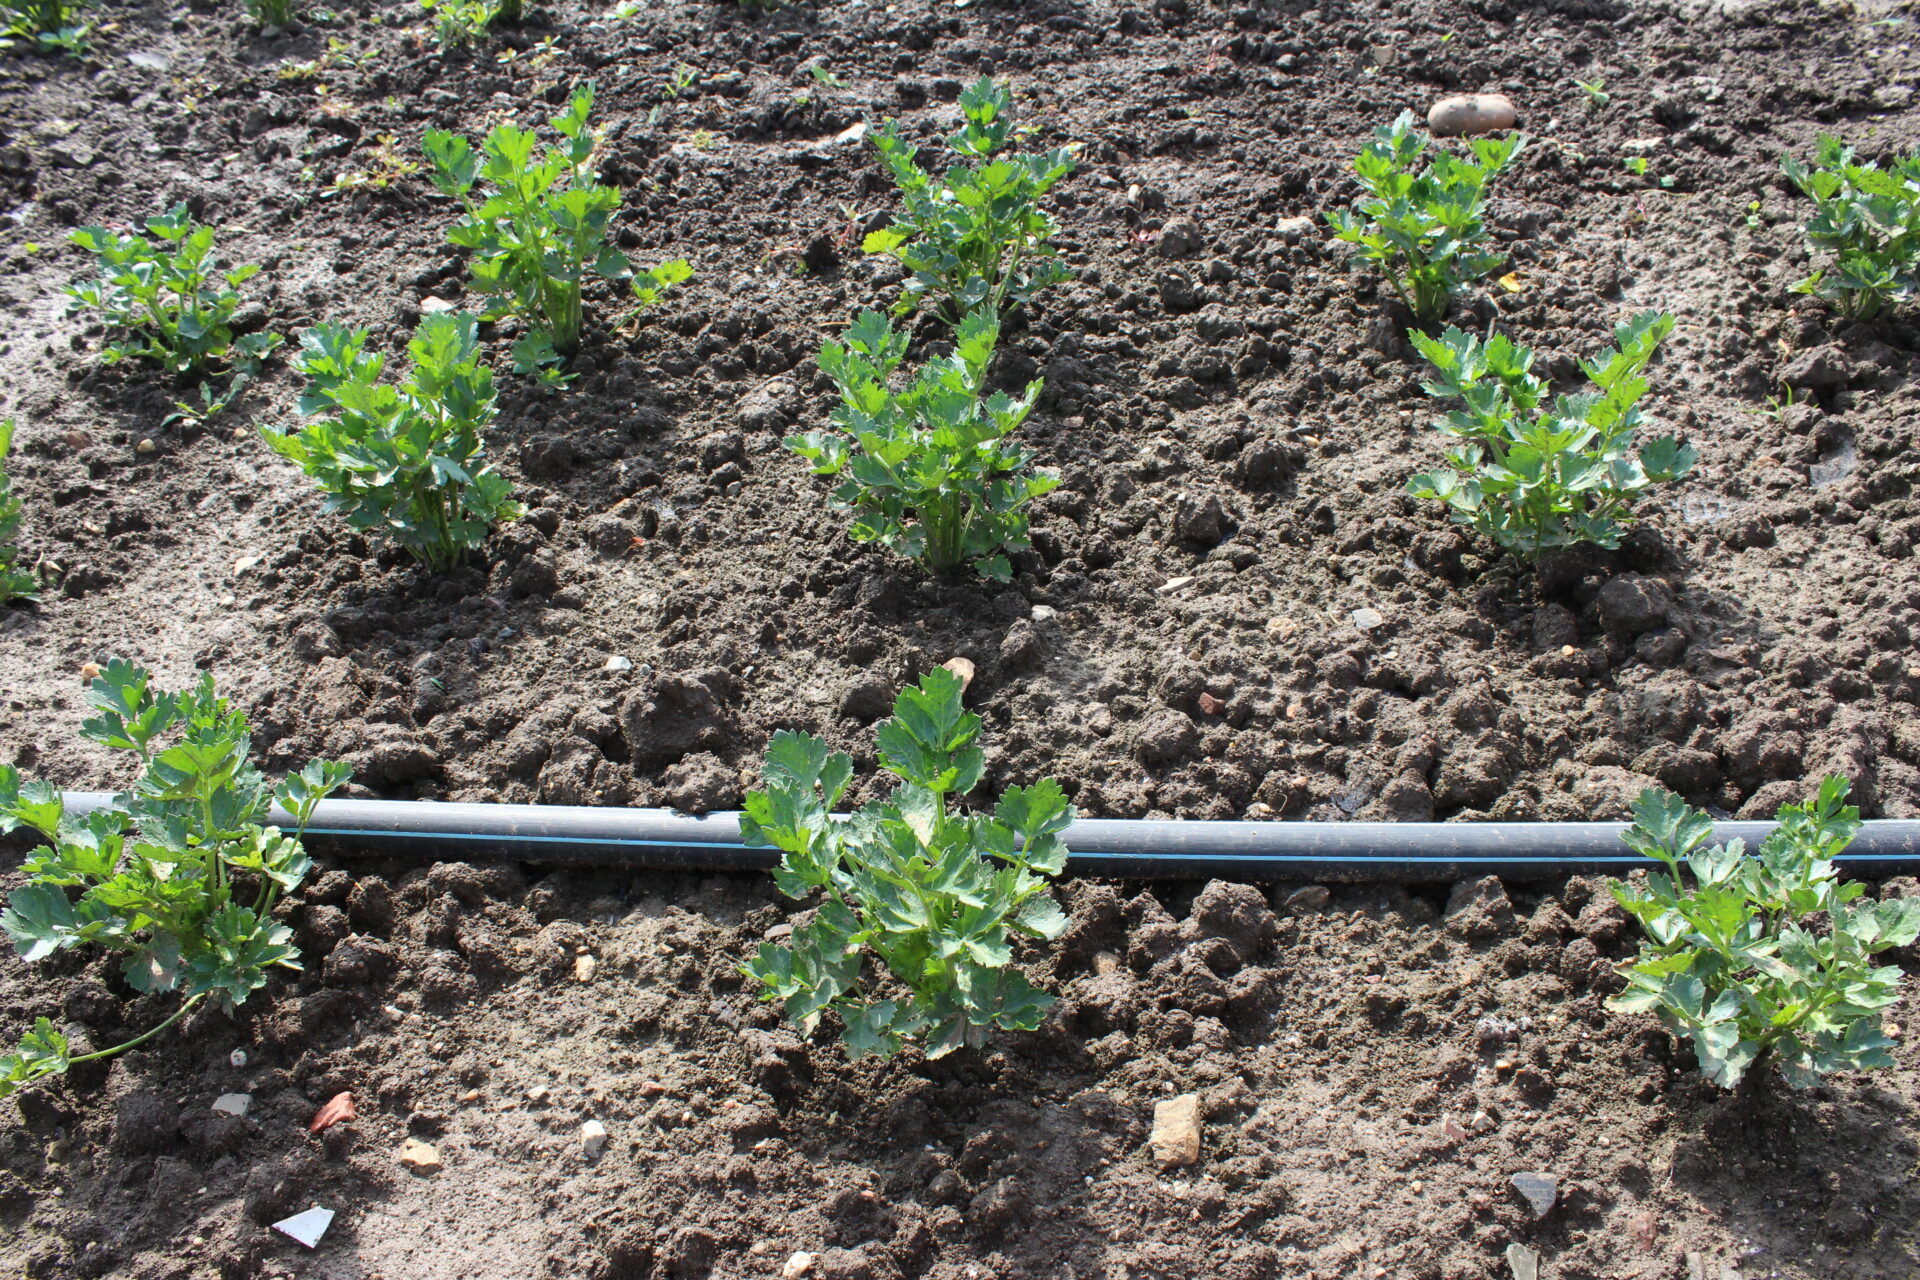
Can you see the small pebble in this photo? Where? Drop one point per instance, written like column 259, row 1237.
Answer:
column 798, row 1265
column 89, row 671
column 233, row 1104
column 593, row 1139
column 421, row 1157
column 1465, row 113
column 617, row 663
column 145, row 447
column 583, row 968
column 238, row 1058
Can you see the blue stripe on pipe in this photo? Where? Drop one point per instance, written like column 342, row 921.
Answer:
column 1583, row 859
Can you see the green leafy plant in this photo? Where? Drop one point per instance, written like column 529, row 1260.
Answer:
column 540, row 231
column 1737, row 962
column 169, row 295
column 1425, row 229
column 271, row 13
column 1534, row 474
column 974, row 236
column 1596, row 91
column 179, row 874
column 16, row 583
column 51, row 26
column 402, row 461
column 930, row 471
column 466, row 22
column 1868, row 218
column 934, row 894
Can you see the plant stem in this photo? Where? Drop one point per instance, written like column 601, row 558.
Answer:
column 144, row 1036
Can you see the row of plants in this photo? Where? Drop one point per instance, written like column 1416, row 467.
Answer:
column 927, row 462
column 920, row 900
column 916, row 902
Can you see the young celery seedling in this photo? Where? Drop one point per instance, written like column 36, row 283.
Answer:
column 1534, row 473
column 51, row 26
column 404, row 462
column 974, row 236
column 1424, row 228
column 930, row 471
column 540, row 231
column 179, row 874
column 169, row 296
column 1868, row 218
column 1735, row 961
column 16, row 583
column 935, row 894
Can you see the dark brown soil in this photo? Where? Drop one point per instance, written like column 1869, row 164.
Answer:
column 1372, row 1074
column 1235, row 413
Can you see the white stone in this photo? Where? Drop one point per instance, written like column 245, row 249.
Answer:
column 618, row 663
column 798, row 1265
column 233, row 1104
column 307, row 1227
column 238, row 1058
column 431, row 305
column 593, row 1139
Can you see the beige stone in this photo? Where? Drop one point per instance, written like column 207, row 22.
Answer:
column 1465, row 113
column 1176, row 1130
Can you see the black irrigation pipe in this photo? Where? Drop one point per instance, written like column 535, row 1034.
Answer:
column 1123, row 848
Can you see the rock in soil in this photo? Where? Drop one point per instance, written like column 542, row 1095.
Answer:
column 1466, row 113
column 1176, row 1130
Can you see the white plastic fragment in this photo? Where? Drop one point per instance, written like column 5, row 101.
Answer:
column 307, row 1226
column 233, row 1104
column 238, row 1058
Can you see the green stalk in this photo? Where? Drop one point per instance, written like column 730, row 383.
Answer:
column 144, row 1036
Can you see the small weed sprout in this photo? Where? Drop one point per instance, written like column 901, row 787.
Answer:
column 934, row 894
column 402, row 461
column 16, row 583
column 1596, row 91
column 1425, row 229
column 540, row 231
column 1868, row 218
column 1533, row 478
column 51, row 26
column 169, row 296
column 179, row 874
column 974, row 236
column 1735, row 962
column 930, row 472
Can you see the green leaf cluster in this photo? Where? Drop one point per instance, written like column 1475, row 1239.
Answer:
column 169, row 295
column 271, row 13
column 1736, row 962
column 936, row 896
column 51, row 26
column 1536, row 473
column 974, row 236
column 1868, row 218
column 930, row 471
column 539, row 231
column 180, row 874
column 1424, row 228
column 403, row 461
column 464, row 22
column 16, row 583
